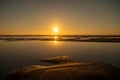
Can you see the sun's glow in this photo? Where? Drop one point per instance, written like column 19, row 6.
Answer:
column 55, row 29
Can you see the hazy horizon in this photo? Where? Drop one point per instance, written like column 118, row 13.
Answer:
column 60, row 35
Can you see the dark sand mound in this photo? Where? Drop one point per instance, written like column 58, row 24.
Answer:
column 67, row 71
column 57, row 60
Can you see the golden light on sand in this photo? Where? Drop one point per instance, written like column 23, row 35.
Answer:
column 55, row 29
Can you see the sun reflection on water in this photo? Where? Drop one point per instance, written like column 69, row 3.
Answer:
column 55, row 42
column 55, row 39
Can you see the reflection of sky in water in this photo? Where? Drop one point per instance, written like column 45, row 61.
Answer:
column 19, row 53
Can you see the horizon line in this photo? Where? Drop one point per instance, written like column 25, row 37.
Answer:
column 115, row 35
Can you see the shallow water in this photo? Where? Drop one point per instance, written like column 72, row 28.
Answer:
column 21, row 53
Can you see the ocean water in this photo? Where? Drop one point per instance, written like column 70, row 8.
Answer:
column 15, row 54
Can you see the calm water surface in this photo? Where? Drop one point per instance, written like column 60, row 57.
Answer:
column 20, row 53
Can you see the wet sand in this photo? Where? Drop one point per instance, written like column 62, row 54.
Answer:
column 67, row 71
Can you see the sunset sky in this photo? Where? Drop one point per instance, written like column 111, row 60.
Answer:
column 70, row 16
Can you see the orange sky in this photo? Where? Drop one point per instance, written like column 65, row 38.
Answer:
column 71, row 16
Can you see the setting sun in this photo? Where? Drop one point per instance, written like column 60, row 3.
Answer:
column 55, row 29
column 60, row 39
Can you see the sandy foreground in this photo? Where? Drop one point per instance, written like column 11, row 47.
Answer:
column 67, row 71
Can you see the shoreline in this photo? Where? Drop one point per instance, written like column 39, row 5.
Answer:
column 56, row 38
